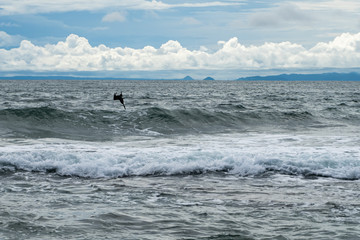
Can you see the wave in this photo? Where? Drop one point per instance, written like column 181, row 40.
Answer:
column 47, row 122
column 95, row 124
column 183, row 157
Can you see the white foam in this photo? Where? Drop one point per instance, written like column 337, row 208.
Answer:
column 239, row 154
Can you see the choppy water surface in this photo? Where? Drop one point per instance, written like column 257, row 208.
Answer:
column 186, row 160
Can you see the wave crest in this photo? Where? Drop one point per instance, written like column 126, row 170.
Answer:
column 203, row 155
column 103, row 125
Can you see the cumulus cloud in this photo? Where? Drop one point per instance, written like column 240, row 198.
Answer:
column 7, row 40
column 10, row 7
column 76, row 54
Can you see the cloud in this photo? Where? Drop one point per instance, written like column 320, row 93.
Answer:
column 190, row 21
column 207, row 4
column 10, row 7
column 8, row 24
column 7, row 40
column 114, row 17
column 328, row 5
column 279, row 16
column 76, row 54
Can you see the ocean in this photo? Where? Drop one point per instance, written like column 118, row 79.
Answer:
column 185, row 160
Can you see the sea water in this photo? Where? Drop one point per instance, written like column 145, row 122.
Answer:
column 185, row 160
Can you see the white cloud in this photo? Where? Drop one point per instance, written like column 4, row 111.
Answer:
column 114, row 17
column 76, row 54
column 207, row 4
column 7, row 40
column 343, row 5
column 10, row 7
column 8, row 24
column 190, row 21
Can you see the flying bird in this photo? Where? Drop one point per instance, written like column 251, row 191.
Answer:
column 120, row 98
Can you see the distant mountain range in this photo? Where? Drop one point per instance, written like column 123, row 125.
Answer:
column 353, row 76
column 306, row 77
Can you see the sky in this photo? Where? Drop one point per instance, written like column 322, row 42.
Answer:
column 169, row 38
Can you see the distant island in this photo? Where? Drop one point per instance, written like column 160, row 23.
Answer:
column 306, row 77
column 187, row 78
column 209, row 78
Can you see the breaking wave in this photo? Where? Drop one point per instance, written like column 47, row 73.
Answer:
column 248, row 157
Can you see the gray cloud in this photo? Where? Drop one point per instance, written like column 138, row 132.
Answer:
column 280, row 16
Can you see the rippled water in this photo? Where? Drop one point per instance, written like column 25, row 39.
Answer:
column 186, row 160
column 206, row 206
